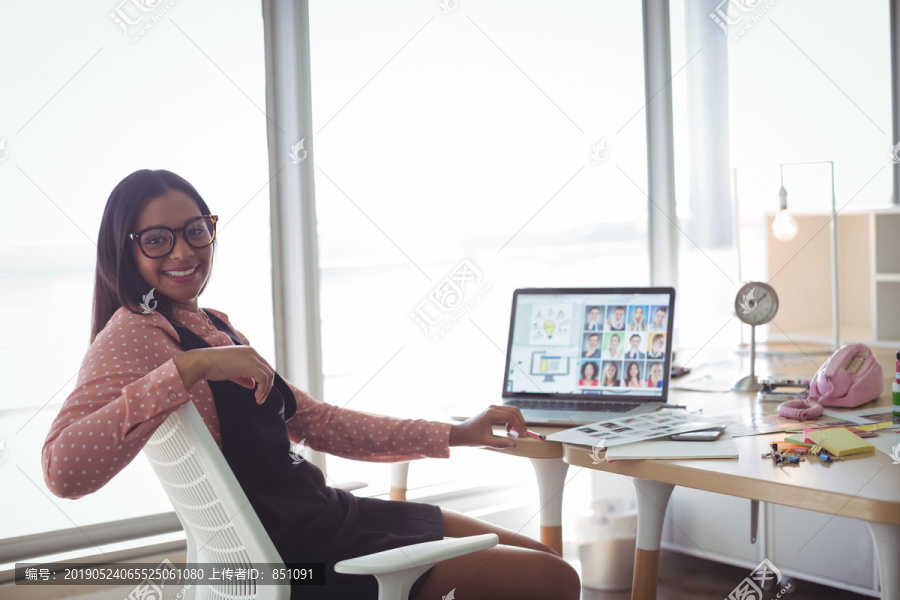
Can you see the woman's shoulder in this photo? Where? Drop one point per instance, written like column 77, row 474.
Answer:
column 125, row 321
column 127, row 330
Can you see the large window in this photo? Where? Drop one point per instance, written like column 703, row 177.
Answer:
column 775, row 82
column 505, row 141
column 508, row 135
column 92, row 93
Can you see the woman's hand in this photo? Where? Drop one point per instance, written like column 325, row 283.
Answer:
column 478, row 431
column 240, row 364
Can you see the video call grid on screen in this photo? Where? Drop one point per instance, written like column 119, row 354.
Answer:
column 585, row 344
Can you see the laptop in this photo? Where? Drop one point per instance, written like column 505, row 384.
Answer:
column 580, row 355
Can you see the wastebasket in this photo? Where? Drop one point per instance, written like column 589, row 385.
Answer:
column 606, row 536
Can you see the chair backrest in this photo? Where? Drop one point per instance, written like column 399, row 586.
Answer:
column 220, row 524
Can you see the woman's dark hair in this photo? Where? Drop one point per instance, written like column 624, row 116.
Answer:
column 596, row 370
column 117, row 281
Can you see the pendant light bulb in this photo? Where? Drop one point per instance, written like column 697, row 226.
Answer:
column 784, row 226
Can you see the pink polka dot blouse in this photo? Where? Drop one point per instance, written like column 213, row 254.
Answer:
column 128, row 384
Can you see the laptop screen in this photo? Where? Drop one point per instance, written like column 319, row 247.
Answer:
column 606, row 342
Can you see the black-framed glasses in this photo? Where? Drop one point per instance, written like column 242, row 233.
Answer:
column 159, row 240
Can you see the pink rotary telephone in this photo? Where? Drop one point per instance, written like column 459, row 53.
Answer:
column 850, row 377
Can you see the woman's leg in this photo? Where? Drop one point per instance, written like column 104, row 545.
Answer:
column 519, row 568
column 459, row 525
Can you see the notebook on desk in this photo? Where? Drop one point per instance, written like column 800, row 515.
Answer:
column 666, row 449
column 581, row 355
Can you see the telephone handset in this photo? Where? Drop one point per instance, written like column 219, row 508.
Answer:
column 850, row 377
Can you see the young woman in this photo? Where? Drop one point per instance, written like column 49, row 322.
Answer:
column 638, row 319
column 655, row 375
column 633, row 375
column 611, row 375
column 153, row 349
column 588, row 374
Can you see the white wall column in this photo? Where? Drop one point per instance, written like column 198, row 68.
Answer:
column 295, row 276
column 711, row 222
column 662, row 235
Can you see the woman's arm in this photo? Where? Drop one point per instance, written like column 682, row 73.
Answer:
column 365, row 436
column 377, row 438
column 128, row 383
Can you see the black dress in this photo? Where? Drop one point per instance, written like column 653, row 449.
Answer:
column 307, row 520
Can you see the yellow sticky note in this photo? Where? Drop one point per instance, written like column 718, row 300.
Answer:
column 839, row 441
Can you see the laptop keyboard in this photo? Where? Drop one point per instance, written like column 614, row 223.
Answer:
column 615, row 407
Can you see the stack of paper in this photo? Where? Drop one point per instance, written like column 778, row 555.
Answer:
column 647, row 436
column 636, row 428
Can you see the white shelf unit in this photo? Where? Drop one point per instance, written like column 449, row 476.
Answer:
column 868, row 278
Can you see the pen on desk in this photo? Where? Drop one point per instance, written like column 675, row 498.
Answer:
column 528, row 432
column 675, row 406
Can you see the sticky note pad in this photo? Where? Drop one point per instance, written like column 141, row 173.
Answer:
column 791, row 446
column 839, row 441
column 798, row 439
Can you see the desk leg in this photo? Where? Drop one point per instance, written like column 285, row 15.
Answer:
column 887, row 547
column 399, row 476
column 551, row 478
column 652, row 499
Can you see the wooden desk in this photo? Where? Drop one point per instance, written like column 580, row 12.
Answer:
column 861, row 487
column 865, row 487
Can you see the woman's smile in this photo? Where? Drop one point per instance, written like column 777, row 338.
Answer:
column 181, row 275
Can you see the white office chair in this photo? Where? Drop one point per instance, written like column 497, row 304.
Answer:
column 221, row 526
